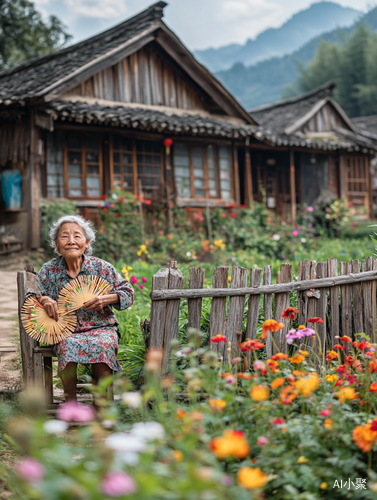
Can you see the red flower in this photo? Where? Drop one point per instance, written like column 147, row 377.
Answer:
column 243, row 206
column 206, row 248
column 121, row 198
column 325, row 413
column 290, row 313
column 348, row 359
column 373, row 387
column 374, row 425
column 116, row 215
column 105, row 209
column 148, row 202
column 223, row 216
column 233, row 215
column 103, row 197
column 218, row 338
column 278, row 421
column 338, row 346
column 341, row 369
column 315, row 320
column 112, row 205
column 345, row 339
column 360, row 345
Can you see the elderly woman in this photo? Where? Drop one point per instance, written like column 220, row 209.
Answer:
column 95, row 340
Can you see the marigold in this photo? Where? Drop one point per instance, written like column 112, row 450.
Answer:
column 315, row 320
column 297, row 358
column 277, row 382
column 302, row 460
column 346, row 393
column 270, row 325
column 178, row 455
column 331, row 378
column 287, row 395
column 259, row 393
column 306, row 386
column 251, row 478
column 278, row 356
column 304, row 353
column 327, row 424
column 290, row 312
column 331, row 355
column 373, row 387
column 364, row 437
column 180, row 413
column 218, row 338
column 232, row 444
column 299, row 373
column 217, row 404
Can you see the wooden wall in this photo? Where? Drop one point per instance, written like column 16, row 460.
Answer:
column 325, row 120
column 144, row 77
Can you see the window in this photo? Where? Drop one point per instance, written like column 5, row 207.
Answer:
column 84, row 162
column 134, row 161
column 55, row 164
column 356, row 175
column 202, row 169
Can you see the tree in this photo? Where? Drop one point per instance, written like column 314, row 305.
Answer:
column 24, row 34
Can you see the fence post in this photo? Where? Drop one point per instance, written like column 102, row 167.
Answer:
column 267, row 306
column 332, row 270
column 357, row 300
column 194, row 306
column 302, row 298
column 312, row 300
column 253, row 312
column 160, row 281
column 369, row 298
column 346, row 294
column 218, row 306
column 281, row 303
column 322, row 305
column 236, row 308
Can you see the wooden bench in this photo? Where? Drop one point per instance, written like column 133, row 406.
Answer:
column 36, row 360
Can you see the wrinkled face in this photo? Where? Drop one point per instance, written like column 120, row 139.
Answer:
column 71, row 240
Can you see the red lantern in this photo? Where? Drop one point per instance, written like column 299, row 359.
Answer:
column 167, row 143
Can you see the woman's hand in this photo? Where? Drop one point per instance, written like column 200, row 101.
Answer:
column 98, row 303
column 50, row 306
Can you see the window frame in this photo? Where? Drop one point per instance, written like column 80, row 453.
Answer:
column 83, row 149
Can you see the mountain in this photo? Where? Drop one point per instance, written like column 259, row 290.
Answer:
column 299, row 29
column 263, row 83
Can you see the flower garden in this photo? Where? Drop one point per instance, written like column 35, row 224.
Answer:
column 301, row 425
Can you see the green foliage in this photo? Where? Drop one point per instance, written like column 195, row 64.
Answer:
column 51, row 210
column 24, row 34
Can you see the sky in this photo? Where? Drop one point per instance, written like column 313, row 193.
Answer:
column 200, row 24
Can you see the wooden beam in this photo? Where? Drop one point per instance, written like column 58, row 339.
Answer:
column 369, row 189
column 278, row 288
column 34, row 237
column 248, row 177
column 342, row 177
column 293, row 186
column 236, row 173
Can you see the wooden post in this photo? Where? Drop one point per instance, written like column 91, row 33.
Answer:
column 322, row 305
column 312, row 300
column 196, row 280
column 248, row 175
column 346, row 294
column 357, row 301
column 281, row 303
column 302, row 298
column 160, row 281
column 342, row 177
column 236, row 308
column 237, row 195
column 267, row 306
column 369, row 198
column 218, row 305
column 332, row 270
column 293, row 187
column 369, row 293
column 34, row 223
column 253, row 312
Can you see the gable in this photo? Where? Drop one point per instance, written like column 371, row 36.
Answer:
column 326, row 119
column 148, row 76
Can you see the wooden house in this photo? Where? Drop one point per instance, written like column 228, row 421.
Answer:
column 94, row 117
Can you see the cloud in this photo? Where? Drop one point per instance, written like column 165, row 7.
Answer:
column 109, row 9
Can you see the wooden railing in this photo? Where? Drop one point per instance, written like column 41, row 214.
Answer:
column 322, row 291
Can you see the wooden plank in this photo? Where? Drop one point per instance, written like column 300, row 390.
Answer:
column 332, row 270
column 292, row 187
column 218, row 305
column 296, row 286
column 322, row 307
column 196, row 280
column 176, row 281
column 34, row 187
column 357, row 300
column 369, row 299
column 267, row 306
column 48, row 373
column 38, row 370
column 237, row 195
column 160, row 281
column 346, row 294
column 248, row 177
column 302, row 298
column 312, row 301
column 253, row 311
column 281, row 303
column 234, row 321
column 374, row 336
column 45, row 351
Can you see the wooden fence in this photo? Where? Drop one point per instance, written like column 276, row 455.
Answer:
column 344, row 298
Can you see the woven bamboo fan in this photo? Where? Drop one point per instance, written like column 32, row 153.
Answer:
column 80, row 290
column 41, row 327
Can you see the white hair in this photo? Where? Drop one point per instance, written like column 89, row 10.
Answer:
column 87, row 226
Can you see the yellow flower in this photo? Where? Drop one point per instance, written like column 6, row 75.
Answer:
column 129, row 268
column 251, row 478
column 124, row 270
column 302, row 460
column 178, row 455
column 301, row 327
column 217, row 404
column 304, row 353
column 143, row 248
column 331, row 378
column 297, row 359
column 327, row 424
column 259, row 393
column 346, row 393
column 323, row 486
column 307, row 385
column 231, row 444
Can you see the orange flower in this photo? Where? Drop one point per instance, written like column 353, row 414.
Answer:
column 346, row 393
column 331, row 355
column 297, row 358
column 364, row 436
column 373, row 366
column 270, row 325
column 180, row 413
column 373, row 387
column 304, row 353
column 307, row 385
column 299, row 373
column 232, row 444
column 290, row 312
column 251, row 478
column 277, row 382
column 327, row 424
column 287, row 395
column 315, row 320
column 279, row 356
column 259, row 393
column 217, row 404
column 218, row 338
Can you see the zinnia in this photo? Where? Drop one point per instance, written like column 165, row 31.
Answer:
column 315, row 320
column 290, row 312
column 270, row 325
column 118, row 483
column 218, row 338
column 297, row 359
column 259, row 393
column 373, row 387
column 251, row 478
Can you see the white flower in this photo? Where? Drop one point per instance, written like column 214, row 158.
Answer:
column 276, row 237
column 132, row 399
column 303, row 240
column 116, row 396
column 123, row 442
column 148, row 430
column 128, row 457
column 55, row 426
column 108, row 424
column 188, row 254
column 179, row 354
column 114, row 196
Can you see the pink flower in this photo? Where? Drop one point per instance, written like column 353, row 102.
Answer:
column 278, row 421
column 325, row 413
column 144, row 280
column 236, row 360
column 310, row 209
column 230, row 379
column 30, row 470
column 73, row 411
column 262, row 440
column 258, row 365
column 134, row 280
column 141, row 287
column 118, row 483
column 310, row 224
column 295, row 233
column 227, row 480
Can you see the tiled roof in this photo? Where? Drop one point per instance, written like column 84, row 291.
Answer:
column 143, row 118
column 32, row 77
column 366, row 125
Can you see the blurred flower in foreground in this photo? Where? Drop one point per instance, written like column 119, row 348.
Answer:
column 55, row 426
column 232, row 444
column 251, row 478
column 132, row 399
column 30, row 470
column 118, row 483
column 77, row 412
